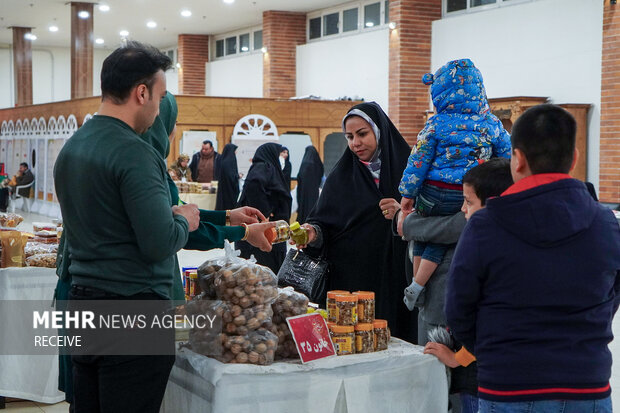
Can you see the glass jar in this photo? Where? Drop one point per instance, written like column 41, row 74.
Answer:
column 279, row 233
column 194, row 286
column 364, row 338
column 332, row 311
column 346, row 309
column 382, row 335
column 299, row 234
column 365, row 306
column 344, row 339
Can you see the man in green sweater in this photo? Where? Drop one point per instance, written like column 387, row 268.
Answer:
column 122, row 232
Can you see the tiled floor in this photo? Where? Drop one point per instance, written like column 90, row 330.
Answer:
column 195, row 258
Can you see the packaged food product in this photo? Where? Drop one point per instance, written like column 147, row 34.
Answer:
column 12, row 248
column 346, row 309
column 240, row 321
column 299, row 234
column 10, row 220
column 206, row 340
column 289, row 303
column 41, row 260
column 41, row 226
column 382, row 335
column 257, row 347
column 365, row 306
column 364, row 338
column 194, row 286
column 344, row 339
column 33, row 248
column 332, row 312
column 279, row 233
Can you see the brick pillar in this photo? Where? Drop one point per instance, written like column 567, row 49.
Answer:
column 410, row 58
column 193, row 57
column 81, row 51
column 609, row 184
column 22, row 66
column 283, row 31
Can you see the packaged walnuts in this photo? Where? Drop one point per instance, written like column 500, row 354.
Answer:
column 289, row 303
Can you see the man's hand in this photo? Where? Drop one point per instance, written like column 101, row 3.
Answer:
column 442, row 352
column 190, row 212
column 246, row 215
column 389, row 206
column 311, row 236
column 256, row 235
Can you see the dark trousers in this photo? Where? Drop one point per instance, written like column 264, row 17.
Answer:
column 112, row 384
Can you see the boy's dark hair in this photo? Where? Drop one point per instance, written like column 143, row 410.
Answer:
column 546, row 136
column 24, row 164
column 207, row 142
column 130, row 66
column 490, row 178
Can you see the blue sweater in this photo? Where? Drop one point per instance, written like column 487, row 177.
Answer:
column 532, row 291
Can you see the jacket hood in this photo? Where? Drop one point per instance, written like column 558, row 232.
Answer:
column 560, row 211
column 457, row 87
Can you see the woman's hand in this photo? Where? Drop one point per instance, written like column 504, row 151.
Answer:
column 256, row 235
column 246, row 215
column 442, row 352
column 311, row 236
column 389, row 206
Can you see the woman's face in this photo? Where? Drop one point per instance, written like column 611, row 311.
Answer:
column 360, row 137
column 183, row 164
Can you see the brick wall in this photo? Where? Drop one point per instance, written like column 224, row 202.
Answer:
column 609, row 190
column 410, row 58
column 193, row 55
column 282, row 32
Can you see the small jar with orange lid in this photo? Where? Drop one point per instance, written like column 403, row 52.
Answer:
column 343, row 338
column 364, row 338
column 346, row 309
column 365, row 306
column 332, row 312
column 381, row 335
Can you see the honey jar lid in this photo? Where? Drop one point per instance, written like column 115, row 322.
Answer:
column 295, row 226
column 380, row 323
column 365, row 295
column 342, row 329
column 363, row 327
column 334, row 293
column 352, row 298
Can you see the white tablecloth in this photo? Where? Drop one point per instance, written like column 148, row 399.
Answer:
column 401, row 379
column 28, row 377
column 204, row 201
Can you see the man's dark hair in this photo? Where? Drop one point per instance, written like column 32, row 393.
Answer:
column 546, row 136
column 130, row 66
column 24, row 164
column 490, row 178
column 207, row 142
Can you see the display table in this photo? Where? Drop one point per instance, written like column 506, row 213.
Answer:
column 204, row 201
column 28, row 377
column 400, row 379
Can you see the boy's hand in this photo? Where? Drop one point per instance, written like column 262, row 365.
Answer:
column 406, row 205
column 442, row 352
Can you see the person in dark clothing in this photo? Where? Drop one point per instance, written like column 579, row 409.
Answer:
column 227, row 179
column 23, row 177
column 308, row 182
column 535, row 280
column 204, row 163
column 287, row 167
column 265, row 189
column 348, row 225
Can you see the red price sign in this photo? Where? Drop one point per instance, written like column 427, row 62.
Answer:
column 311, row 337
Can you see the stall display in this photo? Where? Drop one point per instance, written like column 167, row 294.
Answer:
column 10, row 220
column 346, row 309
column 365, row 306
column 332, row 313
column 41, row 260
column 381, row 335
column 289, row 303
column 194, row 188
column 364, row 338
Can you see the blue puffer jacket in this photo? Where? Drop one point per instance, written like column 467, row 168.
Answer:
column 461, row 135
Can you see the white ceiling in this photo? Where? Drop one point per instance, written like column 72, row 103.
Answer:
column 208, row 17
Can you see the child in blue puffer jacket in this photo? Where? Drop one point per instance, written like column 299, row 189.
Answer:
column 462, row 134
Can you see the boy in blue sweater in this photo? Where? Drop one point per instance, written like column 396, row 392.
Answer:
column 463, row 134
column 534, row 281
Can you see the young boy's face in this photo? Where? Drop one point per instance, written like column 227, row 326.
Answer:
column 471, row 203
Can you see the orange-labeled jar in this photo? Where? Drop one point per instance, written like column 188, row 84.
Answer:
column 365, row 306
column 381, row 335
column 344, row 339
column 346, row 306
column 332, row 312
column 364, row 338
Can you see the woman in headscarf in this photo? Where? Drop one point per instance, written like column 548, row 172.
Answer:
column 309, row 180
column 227, row 179
column 181, row 169
column 348, row 225
column 287, row 167
column 265, row 188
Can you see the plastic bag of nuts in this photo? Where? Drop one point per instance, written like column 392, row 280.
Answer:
column 42, row 260
column 257, row 347
column 206, row 339
column 33, row 248
column 239, row 321
column 288, row 304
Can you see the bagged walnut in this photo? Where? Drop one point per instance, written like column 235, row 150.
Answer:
column 257, row 347
column 289, row 303
column 42, row 260
column 204, row 338
column 239, row 321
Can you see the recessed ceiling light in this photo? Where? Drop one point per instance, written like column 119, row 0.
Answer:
column 104, row 7
column 99, row 41
column 53, row 28
column 229, row 1
column 124, row 33
column 186, row 13
column 151, row 24
column 83, row 14
column 369, row 24
column 30, row 36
